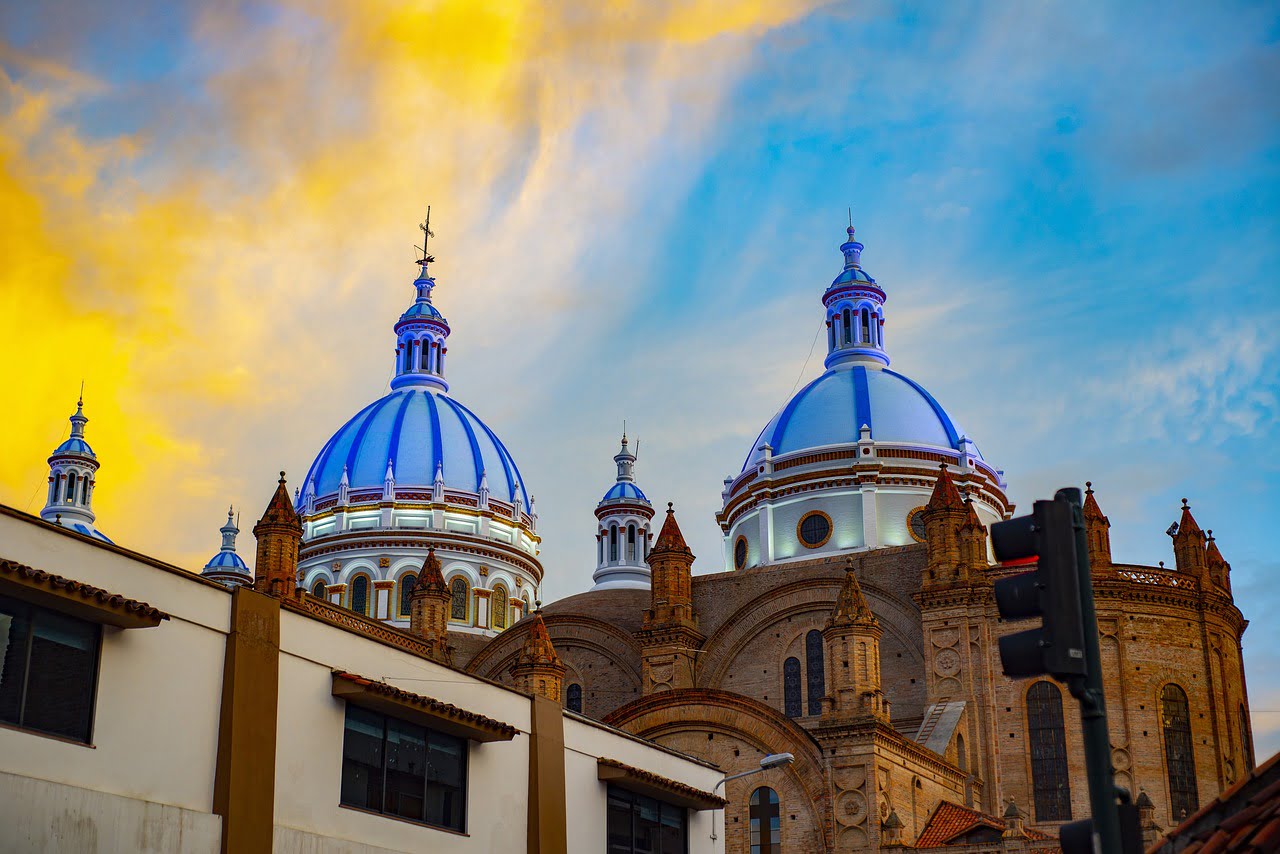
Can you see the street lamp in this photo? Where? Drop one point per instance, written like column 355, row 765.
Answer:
column 773, row 760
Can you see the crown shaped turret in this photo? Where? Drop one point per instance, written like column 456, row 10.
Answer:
column 855, row 313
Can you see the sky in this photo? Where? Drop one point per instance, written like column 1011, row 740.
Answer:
column 209, row 213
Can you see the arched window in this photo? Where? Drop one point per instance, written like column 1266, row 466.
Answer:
column 600, row 547
column 631, row 542
column 425, row 361
column 498, row 604
column 866, row 326
column 613, row 543
column 406, row 592
column 791, row 688
column 1246, row 744
column 845, row 321
column 459, row 599
column 318, row 589
column 71, row 488
column 878, row 325
column 440, row 362
column 831, row 334
column 766, row 821
column 962, row 758
column 84, row 490
column 816, row 667
column 408, row 355
column 1175, row 717
column 573, row 698
column 1048, row 740
column 360, row 594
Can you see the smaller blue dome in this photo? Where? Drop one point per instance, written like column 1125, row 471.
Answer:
column 91, row 532
column 75, row 445
column 422, row 309
column 855, row 274
column 627, row 491
column 227, row 561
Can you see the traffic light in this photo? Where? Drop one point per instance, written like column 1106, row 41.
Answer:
column 1050, row 591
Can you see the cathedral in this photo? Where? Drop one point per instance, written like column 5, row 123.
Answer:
column 849, row 620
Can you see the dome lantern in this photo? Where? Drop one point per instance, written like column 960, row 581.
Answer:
column 855, row 313
column 421, row 332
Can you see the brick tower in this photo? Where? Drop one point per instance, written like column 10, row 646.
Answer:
column 279, row 533
column 852, row 636
column 429, row 609
column 669, row 638
column 538, row 670
column 1097, row 530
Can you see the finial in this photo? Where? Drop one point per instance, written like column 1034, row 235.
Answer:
column 1185, row 506
column 80, row 401
column 1162, row 564
column 1211, row 535
column 537, row 606
column 1088, row 487
column 57, row 520
column 427, row 234
column 282, row 477
column 670, row 508
column 848, row 563
column 851, row 220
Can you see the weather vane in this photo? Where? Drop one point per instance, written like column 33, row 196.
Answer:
column 427, row 234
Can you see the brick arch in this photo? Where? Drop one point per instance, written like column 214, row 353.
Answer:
column 757, row 617
column 566, row 631
column 701, row 712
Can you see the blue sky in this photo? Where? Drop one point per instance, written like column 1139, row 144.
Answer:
column 1073, row 210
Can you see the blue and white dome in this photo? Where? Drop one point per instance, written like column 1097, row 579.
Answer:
column 227, row 567
column 622, row 528
column 832, row 410
column 421, row 431
column 624, row 492
column 73, row 468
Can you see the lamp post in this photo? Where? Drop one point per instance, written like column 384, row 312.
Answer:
column 773, row 760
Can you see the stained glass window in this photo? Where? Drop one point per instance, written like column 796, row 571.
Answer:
column 1179, row 761
column 459, row 593
column 406, row 592
column 814, row 530
column 573, row 698
column 766, row 821
column 814, row 662
column 740, row 553
column 498, row 602
column 791, row 688
column 318, row 589
column 360, row 594
column 1048, row 740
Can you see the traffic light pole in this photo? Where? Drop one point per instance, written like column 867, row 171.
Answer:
column 1088, row 692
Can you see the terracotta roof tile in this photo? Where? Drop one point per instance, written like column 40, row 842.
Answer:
column 951, row 820
column 434, row 706
column 657, row 780
column 1246, row 817
column 58, row 584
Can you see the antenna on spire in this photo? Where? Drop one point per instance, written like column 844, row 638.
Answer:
column 80, row 402
column 427, row 234
column 851, row 217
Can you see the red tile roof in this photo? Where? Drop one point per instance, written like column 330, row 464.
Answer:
column 952, row 820
column 73, row 591
column 1244, row 818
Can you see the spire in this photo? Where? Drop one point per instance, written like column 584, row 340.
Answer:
column 484, row 488
column 429, row 609
column 229, row 531
column 1189, row 544
column 538, row 669
column 626, row 462
column 669, row 538
column 950, row 549
column 389, row 482
column 1219, row 569
column 851, row 607
column 309, row 496
column 855, row 313
column 73, row 470
column 622, row 533
column 279, row 534
column 344, row 487
column 945, row 494
column 437, row 485
column 421, row 331
column 1097, row 530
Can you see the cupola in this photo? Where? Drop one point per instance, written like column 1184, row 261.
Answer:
column 622, row 531
column 73, row 468
column 227, row 567
column 855, row 313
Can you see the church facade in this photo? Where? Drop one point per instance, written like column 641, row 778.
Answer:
column 849, row 620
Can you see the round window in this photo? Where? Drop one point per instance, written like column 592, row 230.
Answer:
column 740, row 553
column 814, row 529
column 915, row 524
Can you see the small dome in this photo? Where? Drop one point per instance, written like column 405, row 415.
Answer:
column 88, row 531
column 855, row 274
column 227, row 562
column 422, row 309
column 832, row 409
column 623, row 491
column 418, row 430
column 75, row 445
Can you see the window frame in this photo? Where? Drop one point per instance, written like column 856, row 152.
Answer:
column 634, row 800
column 368, row 593
column 800, row 528
column 771, row 803
column 1176, row 794
column 404, row 598
column 428, row 731
column 741, row 545
column 94, row 677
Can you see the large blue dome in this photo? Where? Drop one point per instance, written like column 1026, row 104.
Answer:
column 832, row 409
column 417, row 429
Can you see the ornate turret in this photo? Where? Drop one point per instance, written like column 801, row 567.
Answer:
column 1219, row 570
column 852, row 637
column 73, row 468
column 855, row 313
column 538, row 669
column 279, row 534
column 1189, row 545
column 227, row 567
column 669, row 638
column 944, row 517
column 421, row 332
column 973, row 543
column 1097, row 530
column 429, row 609
column 622, row 532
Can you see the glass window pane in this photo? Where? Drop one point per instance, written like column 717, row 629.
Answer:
column 619, row 821
column 646, row 838
column 1046, row 733
column 362, row 759
column 15, row 628
column 791, row 688
column 406, row 756
column 814, row 651
column 60, row 678
column 446, row 781
column 673, row 831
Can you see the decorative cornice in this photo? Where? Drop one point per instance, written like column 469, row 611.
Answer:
column 384, row 538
